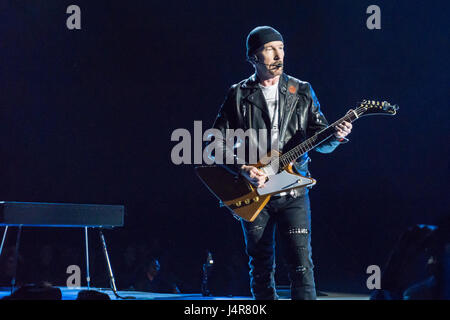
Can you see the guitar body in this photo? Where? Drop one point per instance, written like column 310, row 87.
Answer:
column 240, row 196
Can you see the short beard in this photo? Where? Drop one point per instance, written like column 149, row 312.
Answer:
column 276, row 71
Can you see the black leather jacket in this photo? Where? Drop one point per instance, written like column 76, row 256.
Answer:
column 299, row 114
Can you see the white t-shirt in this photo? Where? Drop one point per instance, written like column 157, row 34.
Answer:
column 271, row 96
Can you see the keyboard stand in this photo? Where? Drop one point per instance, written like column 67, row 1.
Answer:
column 86, row 245
column 88, row 279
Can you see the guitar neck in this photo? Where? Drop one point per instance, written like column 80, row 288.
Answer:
column 315, row 140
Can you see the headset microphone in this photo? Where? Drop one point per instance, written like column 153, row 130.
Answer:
column 278, row 65
column 255, row 60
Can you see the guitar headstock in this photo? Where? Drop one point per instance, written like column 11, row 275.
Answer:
column 371, row 107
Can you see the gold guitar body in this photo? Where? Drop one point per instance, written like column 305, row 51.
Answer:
column 240, row 196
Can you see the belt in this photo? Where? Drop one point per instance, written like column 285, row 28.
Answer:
column 293, row 193
column 279, row 195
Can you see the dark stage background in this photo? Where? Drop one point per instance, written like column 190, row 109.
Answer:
column 87, row 115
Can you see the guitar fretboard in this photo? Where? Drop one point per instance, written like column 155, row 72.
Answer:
column 313, row 141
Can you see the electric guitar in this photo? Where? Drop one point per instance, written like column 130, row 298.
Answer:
column 245, row 200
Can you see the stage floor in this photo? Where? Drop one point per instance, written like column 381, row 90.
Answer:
column 71, row 294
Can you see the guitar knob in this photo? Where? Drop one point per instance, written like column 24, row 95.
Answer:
column 247, row 201
column 256, row 199
column 238, row 204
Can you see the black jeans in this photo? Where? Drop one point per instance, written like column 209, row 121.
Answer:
column 292, row 217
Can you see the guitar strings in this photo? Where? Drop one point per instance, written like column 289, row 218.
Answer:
column 308, row 144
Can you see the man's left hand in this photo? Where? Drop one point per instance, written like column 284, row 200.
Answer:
column 343, row 129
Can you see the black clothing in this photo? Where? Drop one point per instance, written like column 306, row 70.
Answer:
column 293, row 218
column 245, row 108
column 299, row 118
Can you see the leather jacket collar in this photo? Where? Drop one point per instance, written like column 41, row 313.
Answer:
column 252, row 93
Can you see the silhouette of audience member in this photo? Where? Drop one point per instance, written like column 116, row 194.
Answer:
column 150, row 279
column 42, row 291
column 425, row 289
column 414, row 270
column 45, row 268
column 92, row 295
column 127, row 269
column 9, row 267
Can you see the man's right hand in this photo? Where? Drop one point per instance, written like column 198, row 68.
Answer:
column 254, row 175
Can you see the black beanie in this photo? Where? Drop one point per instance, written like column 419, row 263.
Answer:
column 260, row 36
